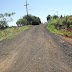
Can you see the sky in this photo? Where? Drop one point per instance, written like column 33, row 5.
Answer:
column 39, row 8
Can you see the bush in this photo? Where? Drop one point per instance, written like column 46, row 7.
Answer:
column 48, row 18
column 55, row 17
column 28, row 20
column 62, row 23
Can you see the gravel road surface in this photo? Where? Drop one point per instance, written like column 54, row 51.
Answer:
column 36, row 50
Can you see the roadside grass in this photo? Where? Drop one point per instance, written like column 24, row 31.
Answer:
column 51, row 27
column 61, row 32
column 9, row 33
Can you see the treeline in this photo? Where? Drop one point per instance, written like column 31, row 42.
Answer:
column 28, row 20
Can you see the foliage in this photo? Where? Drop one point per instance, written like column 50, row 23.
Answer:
column 61, row 25
column 4, row 19
column 21, row 22
column 55, row 17
column 61, row 32
column 28, row 20
column 48, row 18
column 61, row 16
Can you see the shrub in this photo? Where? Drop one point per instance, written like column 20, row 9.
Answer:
column 55, row 17
column 28, row 20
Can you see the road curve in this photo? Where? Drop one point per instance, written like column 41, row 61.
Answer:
column 36, row 50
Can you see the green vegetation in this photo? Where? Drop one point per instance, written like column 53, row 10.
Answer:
column 62, row 25
column 48, row 18
column 28, row 20
column 55, row 17
column 9, row 33
column 4, row 19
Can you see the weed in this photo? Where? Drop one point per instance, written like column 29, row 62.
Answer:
column 12, row 32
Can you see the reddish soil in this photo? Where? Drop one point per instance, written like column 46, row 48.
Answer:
column 68, row 38
column 69, row 29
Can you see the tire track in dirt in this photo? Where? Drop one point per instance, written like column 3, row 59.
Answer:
column 36, row 50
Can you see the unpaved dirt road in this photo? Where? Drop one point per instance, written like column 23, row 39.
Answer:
column 36, row 50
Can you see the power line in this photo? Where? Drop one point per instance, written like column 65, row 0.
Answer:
column 26, row 7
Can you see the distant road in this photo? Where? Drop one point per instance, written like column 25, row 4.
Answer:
column 36, row 50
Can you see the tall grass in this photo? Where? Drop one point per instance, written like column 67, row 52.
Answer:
column 11, row 32
column 61, row 26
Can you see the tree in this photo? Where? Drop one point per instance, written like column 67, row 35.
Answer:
column 36, row 20
column 21, row 22
column 4, row 19
column 61, row 16
column 28, row 20
column 55, row 17
column 48, row 17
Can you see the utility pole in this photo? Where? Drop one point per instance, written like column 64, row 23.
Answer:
column 26, row 7
column 57, row 13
